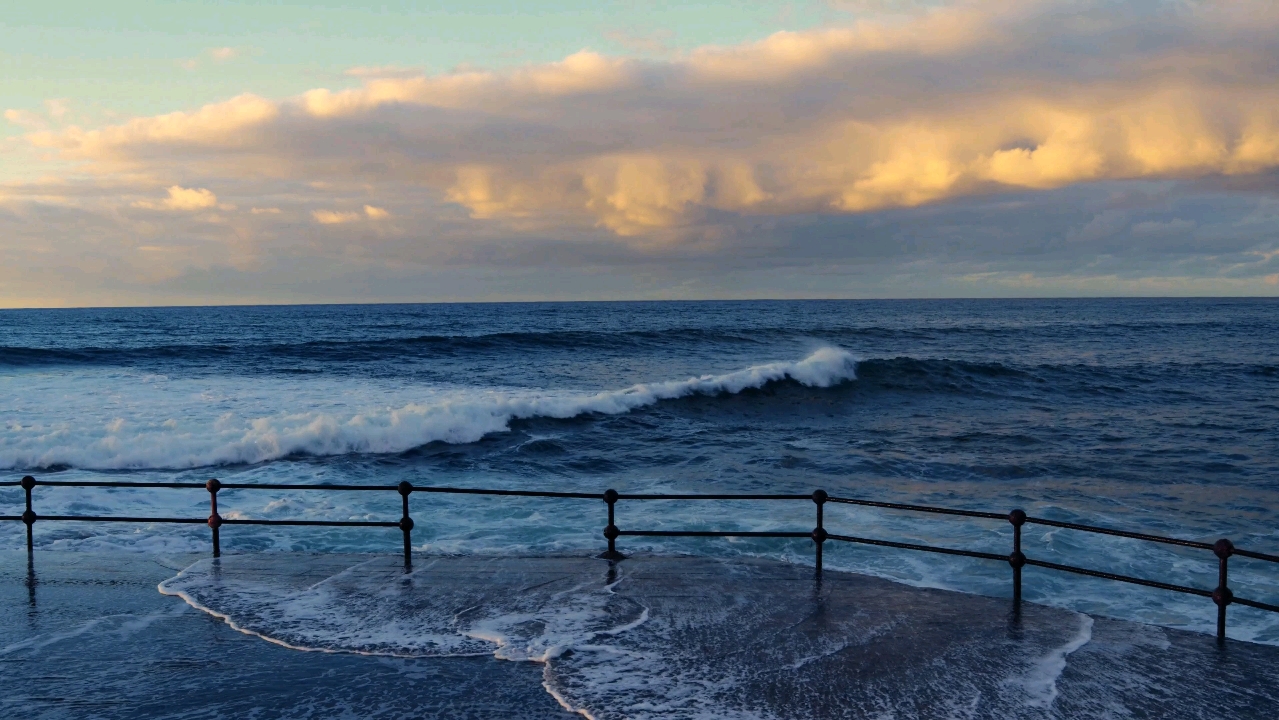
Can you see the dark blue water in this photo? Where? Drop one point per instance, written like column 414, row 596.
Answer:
column 1156, row 415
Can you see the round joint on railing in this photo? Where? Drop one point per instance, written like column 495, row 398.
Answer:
column 28, row 482
column 215, row 521
column 213, row 486
column 405, row 487
column 819, row 535
column 1223, row 548
column 1017, row 518
column 406, row 524
column 610, row 496
column 1223, row 596
column 611, row 532
column 29, row 517
column 819, row 496
column 1017, row 559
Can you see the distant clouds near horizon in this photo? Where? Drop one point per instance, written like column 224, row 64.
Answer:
column 1031, row 147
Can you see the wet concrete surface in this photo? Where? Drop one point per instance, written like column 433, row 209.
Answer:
column 331, row 635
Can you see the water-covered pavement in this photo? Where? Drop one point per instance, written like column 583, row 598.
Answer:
column 85, row 635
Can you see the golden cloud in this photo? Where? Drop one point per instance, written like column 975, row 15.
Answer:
column 217, row 125
column 334, row 217
column 182, row 199
column 972, row 98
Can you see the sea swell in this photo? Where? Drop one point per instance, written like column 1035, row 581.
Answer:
column 462, row 418
column 216, row 350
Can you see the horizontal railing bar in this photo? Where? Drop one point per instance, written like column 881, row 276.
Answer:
column 294, row 486
column 95, row 483
column 1120, row 578
column 651, row 496
column 1121, row 533
column 519, row 493
column 10, row 517
column 1256, row 555
column 920, row 508
column 925, row 548
column 11, row 483
column 116, row 518
column 322, row 523
column 1255, row 604
column 712, row 533
column 202, row 521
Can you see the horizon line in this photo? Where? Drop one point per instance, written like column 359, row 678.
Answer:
column 348, row 303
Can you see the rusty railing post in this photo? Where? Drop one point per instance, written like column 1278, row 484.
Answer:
column 1017, row 559
column 1223, row 549
column 215, row 520
column 610, row 531
column 29, row 515
column 406, row 522
column 819, row 532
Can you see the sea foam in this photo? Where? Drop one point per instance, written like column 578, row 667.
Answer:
column 676, row 638
column 137, row 438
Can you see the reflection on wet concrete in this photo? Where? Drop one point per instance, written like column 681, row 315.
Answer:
column 649, row 637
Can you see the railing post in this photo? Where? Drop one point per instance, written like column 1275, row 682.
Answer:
column 819, row 532
column 215, row 520
column 610, row 531
column 406, row 523
column 1223, row 549
column 1017, row 559
column 29, row 515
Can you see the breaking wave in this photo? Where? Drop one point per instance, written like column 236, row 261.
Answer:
column 461, row 417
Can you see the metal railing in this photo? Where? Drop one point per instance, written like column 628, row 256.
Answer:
column 1223, row 549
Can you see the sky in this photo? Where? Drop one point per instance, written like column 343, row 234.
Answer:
column 162, row 153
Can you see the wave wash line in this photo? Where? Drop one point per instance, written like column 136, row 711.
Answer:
column 456, row 420
column 1223, row 549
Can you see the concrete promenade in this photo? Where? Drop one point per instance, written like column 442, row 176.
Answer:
column 86, row 635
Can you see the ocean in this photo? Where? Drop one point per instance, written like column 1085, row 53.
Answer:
column 1152, row 415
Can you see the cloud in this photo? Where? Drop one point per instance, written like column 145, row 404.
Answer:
column 56, row 112
column 978, row 139
column 57, row 108
column 217, row 55
column 383, row 71
column 158, row 140
column 956, row 101
column 181, row 199
column 1170, row 227
column 25, row 118
column 885, row 7
column 333, row 217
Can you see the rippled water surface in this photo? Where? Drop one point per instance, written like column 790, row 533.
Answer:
column 1154, row 415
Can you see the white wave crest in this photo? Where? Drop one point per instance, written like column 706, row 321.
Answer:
column 147, row 442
